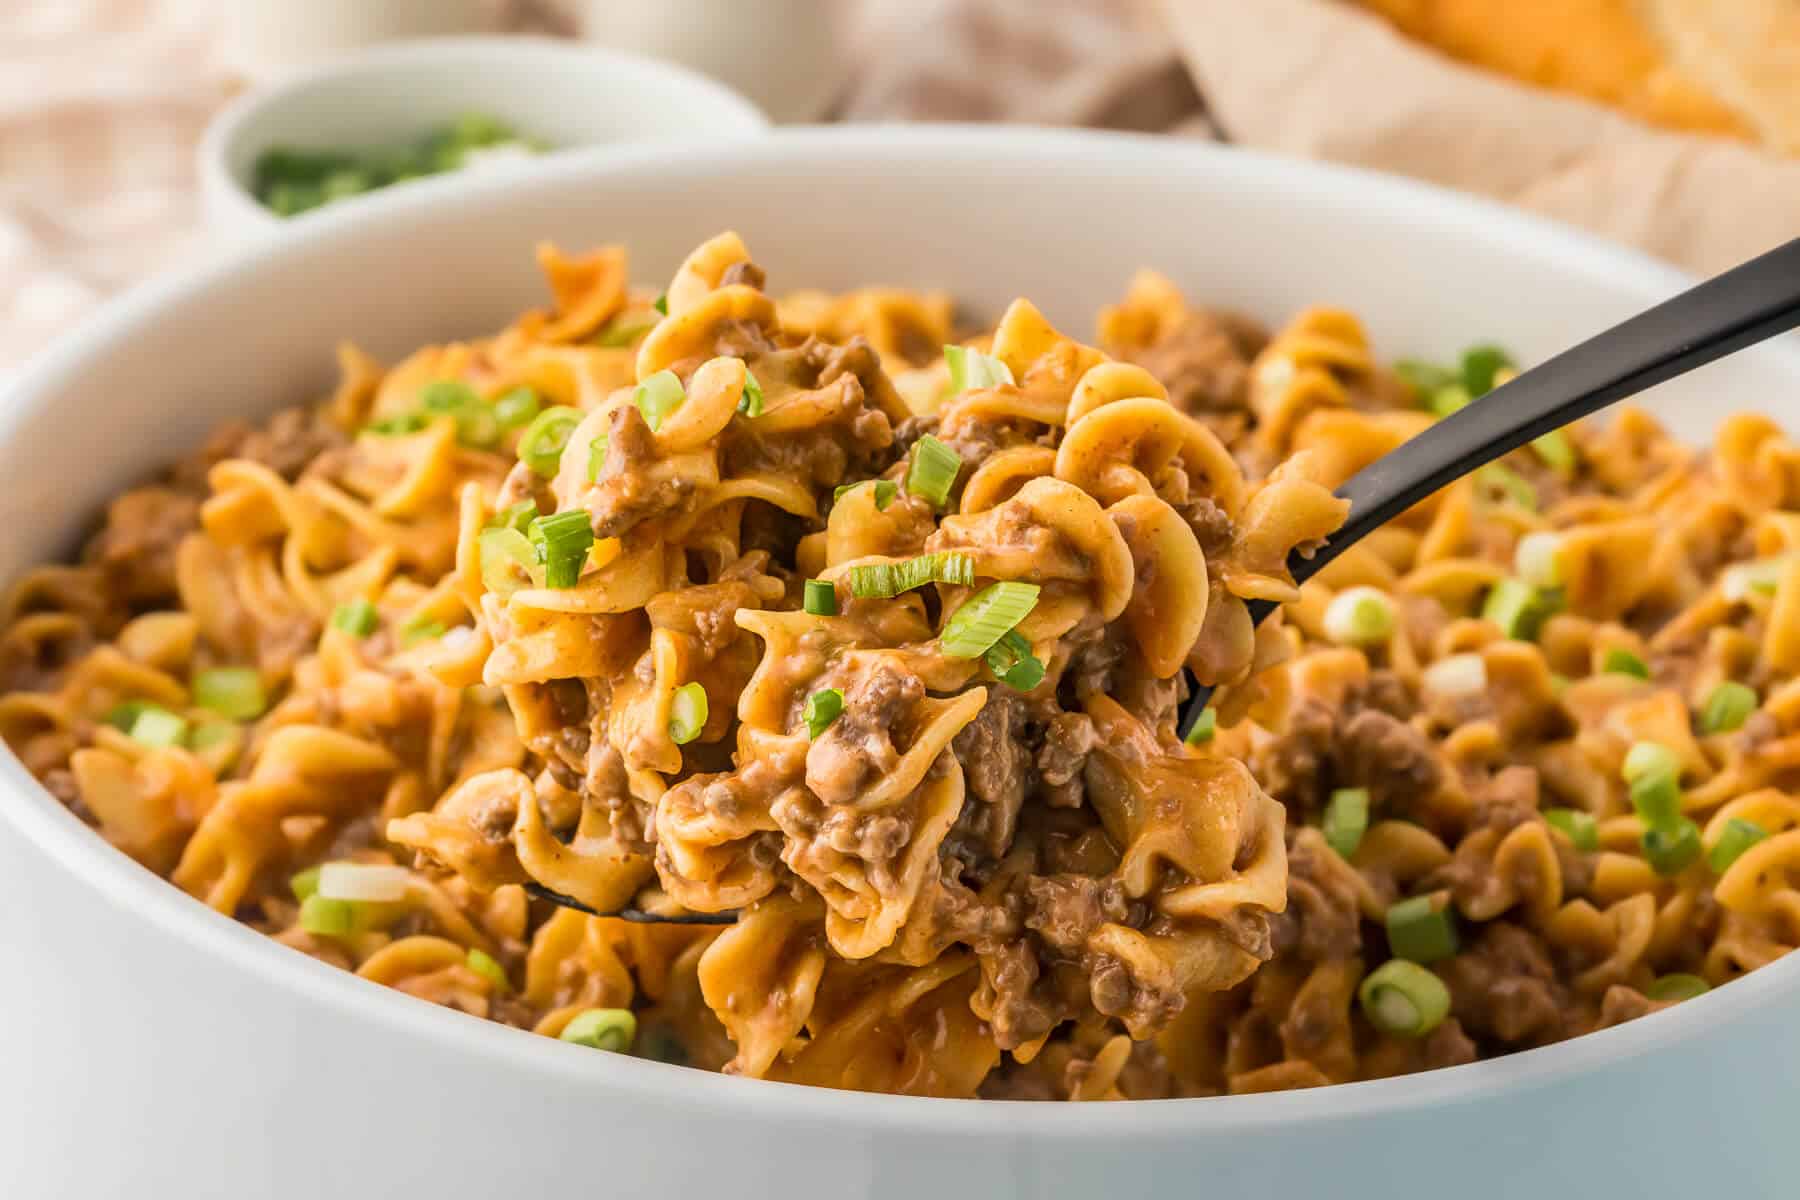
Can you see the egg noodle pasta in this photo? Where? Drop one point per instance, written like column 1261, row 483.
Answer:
column 871, row 632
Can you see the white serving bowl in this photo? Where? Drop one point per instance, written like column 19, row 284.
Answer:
column 151, row 1047
column 570, row 94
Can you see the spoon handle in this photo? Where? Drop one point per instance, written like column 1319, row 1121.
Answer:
column 1743, row 306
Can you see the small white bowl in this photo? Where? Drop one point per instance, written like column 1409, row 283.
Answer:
column 569, row 94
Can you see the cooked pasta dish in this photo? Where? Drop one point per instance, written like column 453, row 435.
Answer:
column 861, row 634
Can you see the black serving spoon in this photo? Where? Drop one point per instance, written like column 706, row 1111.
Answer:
column 1746, row 305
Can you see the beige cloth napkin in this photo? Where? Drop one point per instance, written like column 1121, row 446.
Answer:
column 102, row 101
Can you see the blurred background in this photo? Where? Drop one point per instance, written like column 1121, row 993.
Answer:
column 1669, row 124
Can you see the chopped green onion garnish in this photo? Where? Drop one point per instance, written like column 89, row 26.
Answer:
column 1671, row 851
column 661, row 304
column 883, row 580
column 1013, row 663
column 1624, row 662
column 517, row 408
column 933, row 470
column 1676, row 987
column 1556, row 451
column 1649, row 758
column 1449, row 400
column 1763, row 575
column 1359, row 616
column 357, row 618
column 751, row 402
column 363, row 882
column 235, row 692
column 1422, row 929
column 515, row 516
column 1535, row 559
column 483, row 964
column 971, row 369
column 1423, row 377
column 602, row 1028
column 1727, row 707
column 658, row 396
column 597, row 456
column 158, row 727
column 208, row 734
column 687, row 713
column 1656, row 798
column 1737, row 836
column 1403, row 999
column 401, row 424
column 885, row 491
column 1503, row 480
column 322, row 916
column 1516, row 607
column 1582, row 830
column 421, row 629
column 822, row 708
column 987, row 615
column 542, row 443
column 1205, row 726
column 821, row 598
column 623, row 330
column 1346, row 820
column 1479, row 366
column 448, row 396
column 304, row 883
column 124, row 714
column 508, row 562
column 564, row 540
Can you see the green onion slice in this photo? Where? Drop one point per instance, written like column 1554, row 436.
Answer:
column 658, row 396
column 483, row 964
column 885, row 491
column 1727, row 707
column 623, row 330
column 1737, row 836
column 971, row 369
column 661, row 304
column 751, row 402
column 517, row 408
column 821, row 598
column 1422, row 929
column 1403, row 999
column 235, row 692
column 1013, row 663
column 1624, row 662
column 322, row 916
column 885, row 580
column 1503, row 481
column 1205, row 726
column 401, row 424
column 158, row 728
column 515, row 516
column 1447, row 401
column 822, row 708
column 448, row 396
column 687, row 713
column 1556, row 451
column 304, row 883
column 1649, row 758
column 1359, row 616
column 1671, row 851
column 1424, row 378
column 1516, row 607
column 1656, row 797
column 1480, row 364
column 1763, row 575
column 421, row 629
column 565, row 539
column 602, row 1029
column 508, row 562
column 1677, row 987
column 933, row 470
column 357, row 618
column 597, row 456
column 1346, row 820
column 1536, row 559
column 987, row 615
column 381, row 883
column 1580, row 827
column 541, row 445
